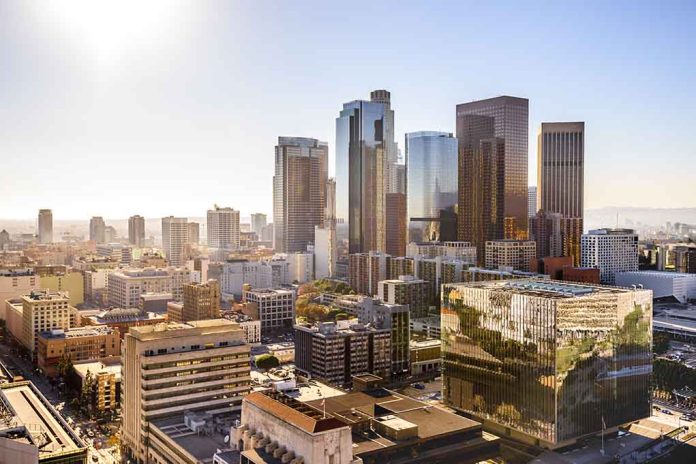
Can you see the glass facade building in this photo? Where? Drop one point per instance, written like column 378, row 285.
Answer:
column 299, row 191
column 431, row 169
column 510, row 119
column 547, row 362
column 366, row 159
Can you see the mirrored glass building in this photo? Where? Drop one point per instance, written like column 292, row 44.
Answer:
column 547, row 362
column 431, row 170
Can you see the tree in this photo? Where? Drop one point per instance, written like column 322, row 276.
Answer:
column 266, row 361
column 660, row 342
column 86, row 392
column 64, row 365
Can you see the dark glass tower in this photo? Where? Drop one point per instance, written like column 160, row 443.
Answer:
column 510, row 119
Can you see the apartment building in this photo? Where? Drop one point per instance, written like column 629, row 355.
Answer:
column 515, row 254
column 77, row 344
column 610, row 250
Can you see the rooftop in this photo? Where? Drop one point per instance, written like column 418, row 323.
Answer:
column 182, row 329
column 201, row 446
column 48, row 431
column 107, row 365
column 77, row 332
column 45, row 295
column 546, row 288
column 125, row 315
column 430, row 343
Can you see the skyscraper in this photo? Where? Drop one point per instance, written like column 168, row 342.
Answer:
column 193, row 236
column 560, row 178
column 396, row 224
column 45, row 226
column 223, row 228
column 136, row 230
column 511, row 125
column 366, row 156
column 431, row 170
column 174, row 238
column 97, row 229
column 258, row 222
column 531, row 201
column 481, row 175
column 299, row 191
column 325, row 246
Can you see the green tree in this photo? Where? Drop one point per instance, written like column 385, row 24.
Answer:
column 64, row 365
column 266, row 361
column 660, row 342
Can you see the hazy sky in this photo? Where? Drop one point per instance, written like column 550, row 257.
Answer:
column 165, row 107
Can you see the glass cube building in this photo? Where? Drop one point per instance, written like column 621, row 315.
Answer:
column 547, row 362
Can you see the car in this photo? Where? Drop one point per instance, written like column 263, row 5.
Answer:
column 419, row 386
column 667, row 411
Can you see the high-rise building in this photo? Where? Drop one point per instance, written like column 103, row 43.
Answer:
column 510, row 120
column 396, row 224
column 406, row 290
column 258, row 222
column 515, row 254
column 299, row 191
column 560, row 178
column 610, row 250
column 223, row 228
column 337, row 351
column 431, row 169
column 366, row 156
column 44, row 311
column 366, row 270
column 174, row 239
column 97, row 229
column 547, row 362
column 45, row 226
column 193, row 235
column 275, row 308
column 531, row 201
column 136, row 230
column 201, row 301
column 325, row 245
column 172, row 370
column 545, row 230
column 110, row 234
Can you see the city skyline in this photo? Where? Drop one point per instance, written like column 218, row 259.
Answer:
column 156, row 111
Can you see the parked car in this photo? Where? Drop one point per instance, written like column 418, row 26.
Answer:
column 419, row 386
column 667, row 411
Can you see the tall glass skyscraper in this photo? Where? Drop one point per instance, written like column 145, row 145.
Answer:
column 299, row 191
column 510, row 118
column 431, row 170
column 560, row 177
column 366, row 158
column 547, row 362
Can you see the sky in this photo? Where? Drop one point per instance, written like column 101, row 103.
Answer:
column 166, row 107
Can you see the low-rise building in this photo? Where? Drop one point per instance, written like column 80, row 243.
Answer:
column 677, row 285
column 126, row 285
column 104, row 376
column 32, row 431
column 250, row 325
column 155, row 302
column 427, row 326
column 515, row 254
column 275, row 307
column 63, row 279
column 15, row 282
column 284, row 351
column 123, row 319
column 76, row 344
column 425, row 357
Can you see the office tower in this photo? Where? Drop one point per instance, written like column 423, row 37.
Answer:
column 365, row 270
column 396, row 224
column 431, row 169
column 510, row 117
column 223, row 228
column 401, row 179
column 531, row 201
column 610, row 250
column 171, row 370
column 174, row 239
column 201, row 301
column 267, row 233
column 560, row 178
column 127, row 285
column 43, row 311
column 110, row 234
column 193, row 236
column 336, row 351
column 299, row 191
column 547, row 362
column 275, row 308
column 515, row 254
column 325, row 245
column 406, row 290
column 458, row 250
column 45, row 226
column 481, row 174
column 366, row 154
column 546, row 230
column 258, row 222
column 97, row 229
column 136, row 230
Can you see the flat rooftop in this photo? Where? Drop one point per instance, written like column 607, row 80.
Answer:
column 547, row 288
column 77, row 332
column 201, row 446
column 31, row 409
column 183, row 329
column 97, row 367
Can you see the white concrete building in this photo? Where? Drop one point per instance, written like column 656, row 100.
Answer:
column 610, row 250
column 300, row 266
column 275, row 307
column 117, row 251
column 16, row 282
column 258, row 274
column 126, row 285
column 174, row 239
column 516, row 254
column 462, row 251
column 324, row 252
column 679, row 285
